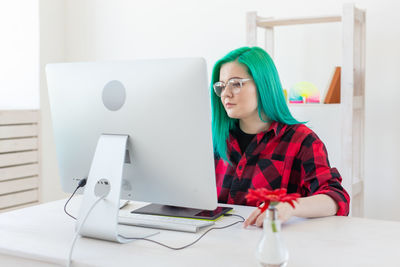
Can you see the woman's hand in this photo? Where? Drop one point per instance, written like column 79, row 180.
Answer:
column 285, row 211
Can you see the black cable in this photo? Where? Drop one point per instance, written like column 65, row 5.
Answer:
column 81, row 183
column 237, row 215
column 188, row 245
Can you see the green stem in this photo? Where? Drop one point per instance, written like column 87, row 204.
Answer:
column 274, row 226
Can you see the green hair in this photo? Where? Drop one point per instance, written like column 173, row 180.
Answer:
column 271, row 99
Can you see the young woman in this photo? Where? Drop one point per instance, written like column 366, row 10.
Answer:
column 258, row 143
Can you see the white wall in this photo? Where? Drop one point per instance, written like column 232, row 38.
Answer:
column 52, row 49
column 121, row 29
column 19, row 54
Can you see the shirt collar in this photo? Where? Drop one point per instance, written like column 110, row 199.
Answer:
column 275, row 127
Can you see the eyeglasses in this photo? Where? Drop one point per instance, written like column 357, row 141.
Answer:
column 234, row 84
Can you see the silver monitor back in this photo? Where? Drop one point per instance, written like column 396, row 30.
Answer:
column 165, row 111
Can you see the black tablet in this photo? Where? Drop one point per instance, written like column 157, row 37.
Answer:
column 164, row 210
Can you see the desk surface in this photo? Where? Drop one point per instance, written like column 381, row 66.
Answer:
column 41, row 236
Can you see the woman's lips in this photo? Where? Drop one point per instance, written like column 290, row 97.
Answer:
column 229, row 105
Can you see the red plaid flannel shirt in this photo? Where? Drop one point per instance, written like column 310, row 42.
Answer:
column 284, row 156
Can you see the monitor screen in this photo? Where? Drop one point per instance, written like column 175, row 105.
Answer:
column 163, row 105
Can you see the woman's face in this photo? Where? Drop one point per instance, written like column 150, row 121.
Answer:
column 244, row 104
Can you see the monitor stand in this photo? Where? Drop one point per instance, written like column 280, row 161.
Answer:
column 104, row 181
column 165, row 210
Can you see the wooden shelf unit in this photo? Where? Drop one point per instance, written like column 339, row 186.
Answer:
column 352, row 106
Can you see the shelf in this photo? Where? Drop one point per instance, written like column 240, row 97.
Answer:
column 268, row 23
column 311, row 105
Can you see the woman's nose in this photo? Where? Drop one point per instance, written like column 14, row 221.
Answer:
column 226, row 93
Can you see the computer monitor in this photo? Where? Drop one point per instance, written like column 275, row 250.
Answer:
column 163, row 105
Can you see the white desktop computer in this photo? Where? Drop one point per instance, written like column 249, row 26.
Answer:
column 139, row 130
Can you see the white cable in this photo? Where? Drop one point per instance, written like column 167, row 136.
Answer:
column 79, row 229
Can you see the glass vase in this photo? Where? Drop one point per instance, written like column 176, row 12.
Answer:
column 271, row 251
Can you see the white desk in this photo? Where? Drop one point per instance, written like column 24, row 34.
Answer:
column 41, row 236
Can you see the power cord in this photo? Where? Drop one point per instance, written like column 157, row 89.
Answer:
column 79, row 229
column 194, row 242
column 81, row 183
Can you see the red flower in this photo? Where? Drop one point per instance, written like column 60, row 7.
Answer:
column 263, row 195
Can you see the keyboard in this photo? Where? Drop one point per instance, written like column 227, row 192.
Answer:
column 164, row 222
